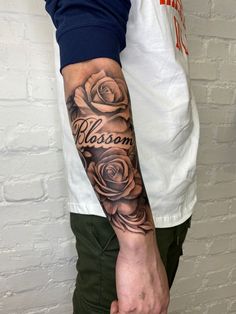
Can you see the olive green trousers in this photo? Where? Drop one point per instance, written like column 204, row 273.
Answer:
column 97, row 247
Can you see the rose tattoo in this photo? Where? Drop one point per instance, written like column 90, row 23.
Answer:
column 100, row 117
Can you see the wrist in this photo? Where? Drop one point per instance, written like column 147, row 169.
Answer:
column 137, row 244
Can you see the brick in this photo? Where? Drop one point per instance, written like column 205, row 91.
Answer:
column 188, row 285
column 61, row 273
column 218, row 308
column 12, row 261
column 211, row 229
column 211, row 27
column 217, row 208
column 233, row 241
column 8, row 55
column 25, row 213
column 39, row 30
column 67, row 249
column 225, row 173
column 24, row 164
column 222, row 95
column 195, row 248
column 199, row 212
column 41, row 57
column 26, row 236
column 56, row 187
column 1, row 192
column 180, row 303
column 215, row 294
column 203, row 70
column 233, row 51
column 196, row 310
column 219, row 245
column 2, row 144
column 61, row 308
column 206, row 134
column 214, row 263
column 29, row 116
column 218, row 155
column 200, row 7
column 196, row 48
column 217, row 49
column 28, row 280
column 233, row 307
column 233, row 206
column 23, row 191
column 13, row 85
column 55, row 138
column 44, row 88
column 227, row 10
column 233, row 275
column 37, row 298
column 19, row 139
column 205, row 173
column 26, row 6
column 48, row 232
column 220, row 190
column 213, row 115
column 11, row 31
column 186, row 268
column 200, row 92
column 228, row 72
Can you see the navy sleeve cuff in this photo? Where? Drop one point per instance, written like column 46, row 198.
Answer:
column 85, row 43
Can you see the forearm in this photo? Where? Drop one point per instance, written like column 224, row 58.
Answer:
column 101, row 120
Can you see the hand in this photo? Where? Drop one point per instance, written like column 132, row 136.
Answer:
column 141, row 282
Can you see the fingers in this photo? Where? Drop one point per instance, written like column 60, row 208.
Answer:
column 114, row 308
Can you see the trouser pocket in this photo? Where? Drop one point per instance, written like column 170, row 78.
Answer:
column 97, row 248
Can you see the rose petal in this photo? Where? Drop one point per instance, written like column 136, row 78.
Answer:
column 106, row 108
column 113, row 172
column 114, row 89
column 94, row 78
column 125, row 114
column 135, row 192
column 108, row 192
column 98, row 171
column 90, row 172
column 110, row 207
column 81, row 102
column 124, row 91
column 127, row 207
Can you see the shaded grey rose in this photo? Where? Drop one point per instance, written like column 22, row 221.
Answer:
column 116, row 181
column 106, row 94
column 103, row 94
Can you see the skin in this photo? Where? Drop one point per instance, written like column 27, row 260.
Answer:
column 100, row 115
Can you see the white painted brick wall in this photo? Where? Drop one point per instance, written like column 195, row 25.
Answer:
column 37, row 254
column 206, row 282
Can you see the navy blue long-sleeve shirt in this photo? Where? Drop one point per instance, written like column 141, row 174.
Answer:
column 88, row 29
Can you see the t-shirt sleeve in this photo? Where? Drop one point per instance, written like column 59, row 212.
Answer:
column 88, row 29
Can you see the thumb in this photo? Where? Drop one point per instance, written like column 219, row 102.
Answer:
column 114, row 308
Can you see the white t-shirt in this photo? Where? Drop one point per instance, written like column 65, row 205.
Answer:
column 155, row 65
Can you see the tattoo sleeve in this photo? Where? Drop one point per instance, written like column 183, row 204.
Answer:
column 101, row 122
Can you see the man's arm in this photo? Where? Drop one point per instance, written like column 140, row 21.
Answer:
column 91, row 35
column 101, row 121
column 100, row 114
